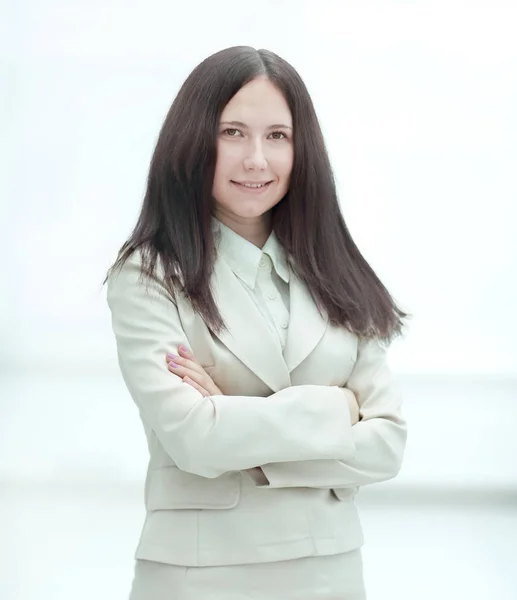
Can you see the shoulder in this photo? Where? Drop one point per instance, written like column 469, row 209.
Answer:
column 137, row 272
column 128, row 270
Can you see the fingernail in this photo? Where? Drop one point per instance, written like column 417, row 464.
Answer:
column 173, row 365
column 184, row 348
column 172, row 356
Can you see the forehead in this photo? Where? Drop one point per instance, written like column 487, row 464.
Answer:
column 259, row 102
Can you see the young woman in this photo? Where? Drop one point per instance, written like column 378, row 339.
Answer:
column 252, row 335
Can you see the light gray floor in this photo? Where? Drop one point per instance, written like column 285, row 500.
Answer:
column 73, row 456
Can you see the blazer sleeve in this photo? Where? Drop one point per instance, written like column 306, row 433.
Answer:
column 379, row 437
column 209, row 436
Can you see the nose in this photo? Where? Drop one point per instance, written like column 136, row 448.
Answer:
column 255, row 159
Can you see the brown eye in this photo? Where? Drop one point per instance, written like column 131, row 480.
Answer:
column 279, row 133
column 231, row 132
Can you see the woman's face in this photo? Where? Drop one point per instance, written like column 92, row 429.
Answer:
column 254, row 146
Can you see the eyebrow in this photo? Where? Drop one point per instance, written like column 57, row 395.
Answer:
column 244, row 126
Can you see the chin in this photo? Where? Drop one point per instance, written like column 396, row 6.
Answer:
column 252, row 211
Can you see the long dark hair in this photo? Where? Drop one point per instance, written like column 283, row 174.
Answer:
column 175, row 220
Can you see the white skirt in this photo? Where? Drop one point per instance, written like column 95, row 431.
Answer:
column 332, row 577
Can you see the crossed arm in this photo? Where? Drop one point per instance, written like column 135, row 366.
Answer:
column 310, row 444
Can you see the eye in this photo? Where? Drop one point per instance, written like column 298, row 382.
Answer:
column 231, row 132
column 279, row 133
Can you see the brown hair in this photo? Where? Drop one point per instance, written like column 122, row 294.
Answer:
column 175, row 219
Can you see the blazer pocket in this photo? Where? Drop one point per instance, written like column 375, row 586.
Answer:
column 169, row 488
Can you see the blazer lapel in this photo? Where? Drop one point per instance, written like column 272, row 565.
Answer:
column 306, row 324
column 248, row 336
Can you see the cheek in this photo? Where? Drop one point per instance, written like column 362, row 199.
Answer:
column 227, row 161
column 285, row 166
column 223, row 169
column 286, row 158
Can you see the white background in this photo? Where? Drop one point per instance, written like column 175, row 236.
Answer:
column 418, row 105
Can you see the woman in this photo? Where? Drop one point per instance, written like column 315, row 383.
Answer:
column 252, row 335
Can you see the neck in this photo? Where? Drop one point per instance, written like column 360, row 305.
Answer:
column 255, row 231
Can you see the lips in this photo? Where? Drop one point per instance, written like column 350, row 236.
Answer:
column 251, row 190
column 252, row 186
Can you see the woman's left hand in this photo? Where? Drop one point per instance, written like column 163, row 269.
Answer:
column 186, row 367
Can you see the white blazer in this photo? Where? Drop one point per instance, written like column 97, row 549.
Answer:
column 206, row 502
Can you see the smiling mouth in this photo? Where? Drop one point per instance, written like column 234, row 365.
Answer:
column 253, row 186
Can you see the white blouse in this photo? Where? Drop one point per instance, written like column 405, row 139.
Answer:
column 264, row 274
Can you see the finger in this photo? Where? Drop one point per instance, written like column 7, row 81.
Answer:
column 196, row 386
column 183, row 371
column 180, row 370
column 186, row 353
column 185, row 362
